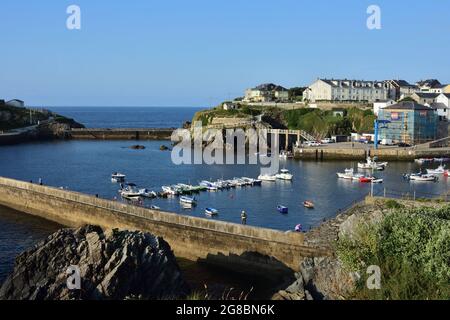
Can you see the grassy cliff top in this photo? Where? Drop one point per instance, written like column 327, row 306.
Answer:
column 318, row 122
column 13, row 117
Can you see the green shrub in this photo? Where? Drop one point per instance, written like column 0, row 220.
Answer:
column 392, row 204
column 412, row 248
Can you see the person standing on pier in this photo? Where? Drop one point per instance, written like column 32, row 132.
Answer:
column 244, row 217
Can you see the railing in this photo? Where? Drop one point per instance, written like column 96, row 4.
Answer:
column 412, row 195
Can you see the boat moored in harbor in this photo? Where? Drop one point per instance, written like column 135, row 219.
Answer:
column 267, row 177
column 282, row 209
column 440, row 170
column 188, row 200
column 118, row 177
column 211, row 212
column 372, row 164
column 308, row 204
column 284, row 175
column 170, row 190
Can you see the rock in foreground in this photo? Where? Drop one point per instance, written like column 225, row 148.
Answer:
column 113, row 265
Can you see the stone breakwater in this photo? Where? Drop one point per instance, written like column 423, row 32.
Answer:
column 121, row 134
column 254, row 250
column 113, row 265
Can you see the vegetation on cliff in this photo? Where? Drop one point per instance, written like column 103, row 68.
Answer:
column 412, row 249
column 320, row 123
column 323, row 123
column 13, row 117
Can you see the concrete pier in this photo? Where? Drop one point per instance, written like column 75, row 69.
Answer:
column 240, row 248
column 388, row 154
column 121, row 134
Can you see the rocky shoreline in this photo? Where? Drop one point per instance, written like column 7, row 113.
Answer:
column 113, row 265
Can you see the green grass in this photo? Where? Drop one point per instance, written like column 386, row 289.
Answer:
column 412, row 248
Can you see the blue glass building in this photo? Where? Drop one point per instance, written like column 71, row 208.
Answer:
column 411, row 123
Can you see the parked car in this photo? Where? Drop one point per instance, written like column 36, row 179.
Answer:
column 313, row 144
column 327, row 141
column 387, row 142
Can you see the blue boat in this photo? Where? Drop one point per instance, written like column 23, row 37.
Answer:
column 282, row 209
column 188, row 200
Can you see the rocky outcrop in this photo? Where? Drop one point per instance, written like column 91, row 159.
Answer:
column 112, row 264
column 137, row 147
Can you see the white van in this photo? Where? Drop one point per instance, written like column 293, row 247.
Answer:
column 387, row 142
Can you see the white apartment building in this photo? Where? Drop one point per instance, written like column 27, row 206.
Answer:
column 346, row 90
column 267, row 93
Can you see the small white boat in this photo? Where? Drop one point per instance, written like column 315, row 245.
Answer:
column 155, row 207
column 424, row 160
column 284, row 175
column 170, row 190
column 372, row 164
column 130, row 191
column 188, row 200
column 440, row 170
column 118, row 177
column 211, row 212
column 375, row 181
column 210, row 186
column 348, row 174
column 267, row 177
column 424, row 178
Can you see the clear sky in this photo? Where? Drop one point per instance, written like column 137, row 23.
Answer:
column 200, row 52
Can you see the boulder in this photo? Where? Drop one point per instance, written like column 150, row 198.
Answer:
column 112, row 264
column 137, row 147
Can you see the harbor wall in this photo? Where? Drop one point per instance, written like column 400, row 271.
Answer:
column 121, row 134
column 240, row 248
column 391, row 154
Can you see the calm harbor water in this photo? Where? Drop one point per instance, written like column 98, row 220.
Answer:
column 86, row 166
column 129, row 117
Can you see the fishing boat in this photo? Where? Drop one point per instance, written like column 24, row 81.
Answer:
column 210, row 186
column 171, row 190
column 348, row 174
column 441, row 160
column 440, row 170
column 424, row 160
column 366, row 179
column 188, row 200
column 267, row 177
column 282, row 209
column 211, row 212
column 118, row 177
column 424, row 178
column 308, row 204
column 130, row 191
column 372, row 164
column 284, row 175
column 147, row 193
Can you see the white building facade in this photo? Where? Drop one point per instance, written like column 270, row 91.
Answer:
column 346, row 90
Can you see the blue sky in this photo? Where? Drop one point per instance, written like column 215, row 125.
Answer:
column 200, row 52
